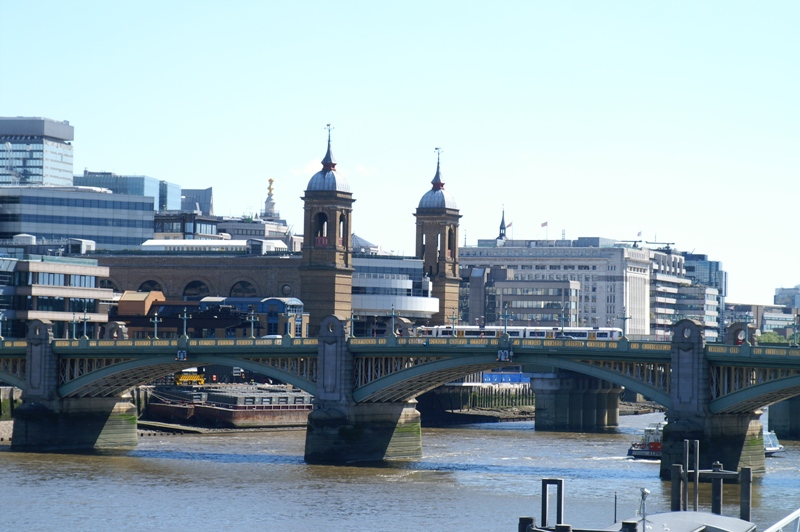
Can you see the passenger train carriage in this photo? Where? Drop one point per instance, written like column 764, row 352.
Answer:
column 495, row 331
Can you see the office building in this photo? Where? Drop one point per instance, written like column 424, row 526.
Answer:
column 166, row 196
column 614, row 280
column 112, row 221
column 201, row 200
column 35, row 151
column 63, row 290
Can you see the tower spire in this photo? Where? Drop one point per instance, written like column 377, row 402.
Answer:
column 329, row 163
column 437, row 182
column 503, row 225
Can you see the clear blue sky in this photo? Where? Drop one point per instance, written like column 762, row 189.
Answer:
column 677, row 119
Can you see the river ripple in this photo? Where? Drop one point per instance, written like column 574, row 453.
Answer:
column 478, row 477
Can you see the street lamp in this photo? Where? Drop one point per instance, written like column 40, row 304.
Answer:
column 185, row 317
column 453, row 319
column 155, row 321
column 74, row 323
column 252, row 319
column 353, row 318
column 394, row 333
column 505, row 315
column 85, row 319
column 625, row 319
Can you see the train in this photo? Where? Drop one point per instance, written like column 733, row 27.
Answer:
column 540, row 333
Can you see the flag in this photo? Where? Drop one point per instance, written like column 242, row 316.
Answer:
column 509, row 225
column 544, row 224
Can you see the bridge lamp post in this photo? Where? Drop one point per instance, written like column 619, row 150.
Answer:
column 251, row 317
column 505, row 315
column 185, row 317
column 74, row 323
column 85, row 319
column 353, row 319
column 394, row 333
column 625, row 319
column 155, row 321
column 453, row 318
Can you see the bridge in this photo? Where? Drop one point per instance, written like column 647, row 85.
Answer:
column 75, row 392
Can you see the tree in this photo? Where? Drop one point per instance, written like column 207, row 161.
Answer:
column 771, row 337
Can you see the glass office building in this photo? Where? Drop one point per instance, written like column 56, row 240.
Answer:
column 35, row 151
column 113, row 221
column 166, row 196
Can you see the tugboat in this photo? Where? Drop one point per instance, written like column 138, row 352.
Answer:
column 650, row 444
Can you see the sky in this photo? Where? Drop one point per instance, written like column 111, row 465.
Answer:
column 679, row 120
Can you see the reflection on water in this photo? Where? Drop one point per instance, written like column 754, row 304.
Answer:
column 479, row 477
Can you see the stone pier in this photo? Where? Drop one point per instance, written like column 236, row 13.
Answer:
column 46, row 422
column 569, row 402
column 339, row 429
column 734, row 439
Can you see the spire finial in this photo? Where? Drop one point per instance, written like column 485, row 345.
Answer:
column 437, row 182
column 329, row 163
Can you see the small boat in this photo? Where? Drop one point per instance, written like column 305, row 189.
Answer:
column 771, row 443
column 650, row 444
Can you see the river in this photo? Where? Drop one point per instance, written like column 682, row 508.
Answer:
column 476, row 477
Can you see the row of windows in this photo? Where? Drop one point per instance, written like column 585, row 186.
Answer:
column 84, row 221
column 523, row 291
column 100, row 239
column 556, row 276
column 79, row 203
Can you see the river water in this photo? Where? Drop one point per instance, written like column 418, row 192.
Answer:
column 476, row 477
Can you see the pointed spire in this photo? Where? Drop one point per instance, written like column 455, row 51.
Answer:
column 503, row 226
column 437, row 182
column 329, row 163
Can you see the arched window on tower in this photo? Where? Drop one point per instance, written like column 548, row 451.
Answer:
column 451, row 242
column 321, row 229
column 342, row 229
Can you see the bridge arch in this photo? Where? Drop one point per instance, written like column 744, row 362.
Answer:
column 755, row 397
column 115, row 379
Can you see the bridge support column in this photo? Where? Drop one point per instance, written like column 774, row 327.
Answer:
column 66, row 425
column 366, row 432
column 46, row 422
column 341, row 430
column 734, row 439
column 590, row 409
column 576, row 410
column 612, row 407
column 553, row 392
column 601, row 409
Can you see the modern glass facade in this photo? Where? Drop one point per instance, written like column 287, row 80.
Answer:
column 35, row 151
column 113, row 221
column 166, row 196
